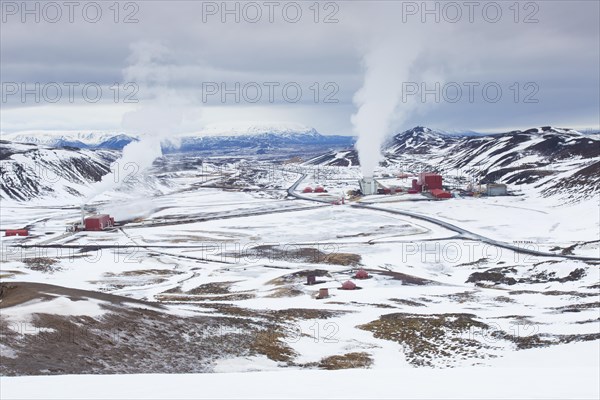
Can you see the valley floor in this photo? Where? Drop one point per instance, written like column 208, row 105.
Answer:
column 209, row 274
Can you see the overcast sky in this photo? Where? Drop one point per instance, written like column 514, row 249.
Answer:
column 543, row 56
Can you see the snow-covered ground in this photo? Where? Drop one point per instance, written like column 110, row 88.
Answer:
column 235, row 245
column 520, row 219
column 556, row 373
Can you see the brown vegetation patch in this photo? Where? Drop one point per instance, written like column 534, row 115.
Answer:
column 124, row 339
column 349, row 360
column 292, row 278
column 212, row 288
column 406, row 302
column 502, row 276
column 578, row 307
column 429, row 340
column 302, row 254
column 272, row 344
column 405, row 278
column 143, row 272
column 14, row 293
column 285, row 292
column 214, row 291
column 343, row 259
column 43, row 264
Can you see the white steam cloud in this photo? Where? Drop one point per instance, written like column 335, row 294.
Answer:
column 156, row 118
column 387, row 65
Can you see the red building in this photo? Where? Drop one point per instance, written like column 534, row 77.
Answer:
column 99, row 222
column 440, row 194
column 416, row 187
column 430, row 181
column 348, row 285
column 320, row 189
column 16, row 232
column 307, row 189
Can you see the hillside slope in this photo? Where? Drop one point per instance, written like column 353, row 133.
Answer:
column 552, row 161
column 29, row 171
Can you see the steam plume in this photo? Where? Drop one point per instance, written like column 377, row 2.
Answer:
column 387, row 65
column 154, row 120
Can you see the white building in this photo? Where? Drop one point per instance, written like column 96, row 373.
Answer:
column 368, row 186
column 496, row 189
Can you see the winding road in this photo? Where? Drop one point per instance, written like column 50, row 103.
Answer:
column 462, row 233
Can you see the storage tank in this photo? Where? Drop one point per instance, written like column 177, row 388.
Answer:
column 368, row 185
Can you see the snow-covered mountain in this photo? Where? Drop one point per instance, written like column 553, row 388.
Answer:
column 40, row 164
column 256, row 137
column 79, row 139
column 260, row 142
column 551, row 160
column 29, row 171
column 283, row 129
column 419, row 140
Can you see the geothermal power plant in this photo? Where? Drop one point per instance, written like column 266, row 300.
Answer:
column 427, row 183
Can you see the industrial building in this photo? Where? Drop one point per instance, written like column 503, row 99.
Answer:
column 430, row 181
column 426, row 182
column 416, row 187
column 440, row 194
column 16, row 232
column 496, row 189
column 98, row 222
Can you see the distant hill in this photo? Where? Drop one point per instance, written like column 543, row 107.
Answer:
column 31, row 170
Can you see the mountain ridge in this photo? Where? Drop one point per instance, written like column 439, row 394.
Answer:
column 553, row 161
column 213, row 138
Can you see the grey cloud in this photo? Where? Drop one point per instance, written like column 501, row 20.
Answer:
column 560, row 53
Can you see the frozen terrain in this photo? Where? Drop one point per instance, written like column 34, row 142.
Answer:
column 206, row 271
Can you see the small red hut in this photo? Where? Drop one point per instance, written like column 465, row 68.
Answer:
column 348, row 285
column 361, row 274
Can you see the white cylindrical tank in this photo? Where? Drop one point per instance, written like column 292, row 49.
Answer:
column 368, row 185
